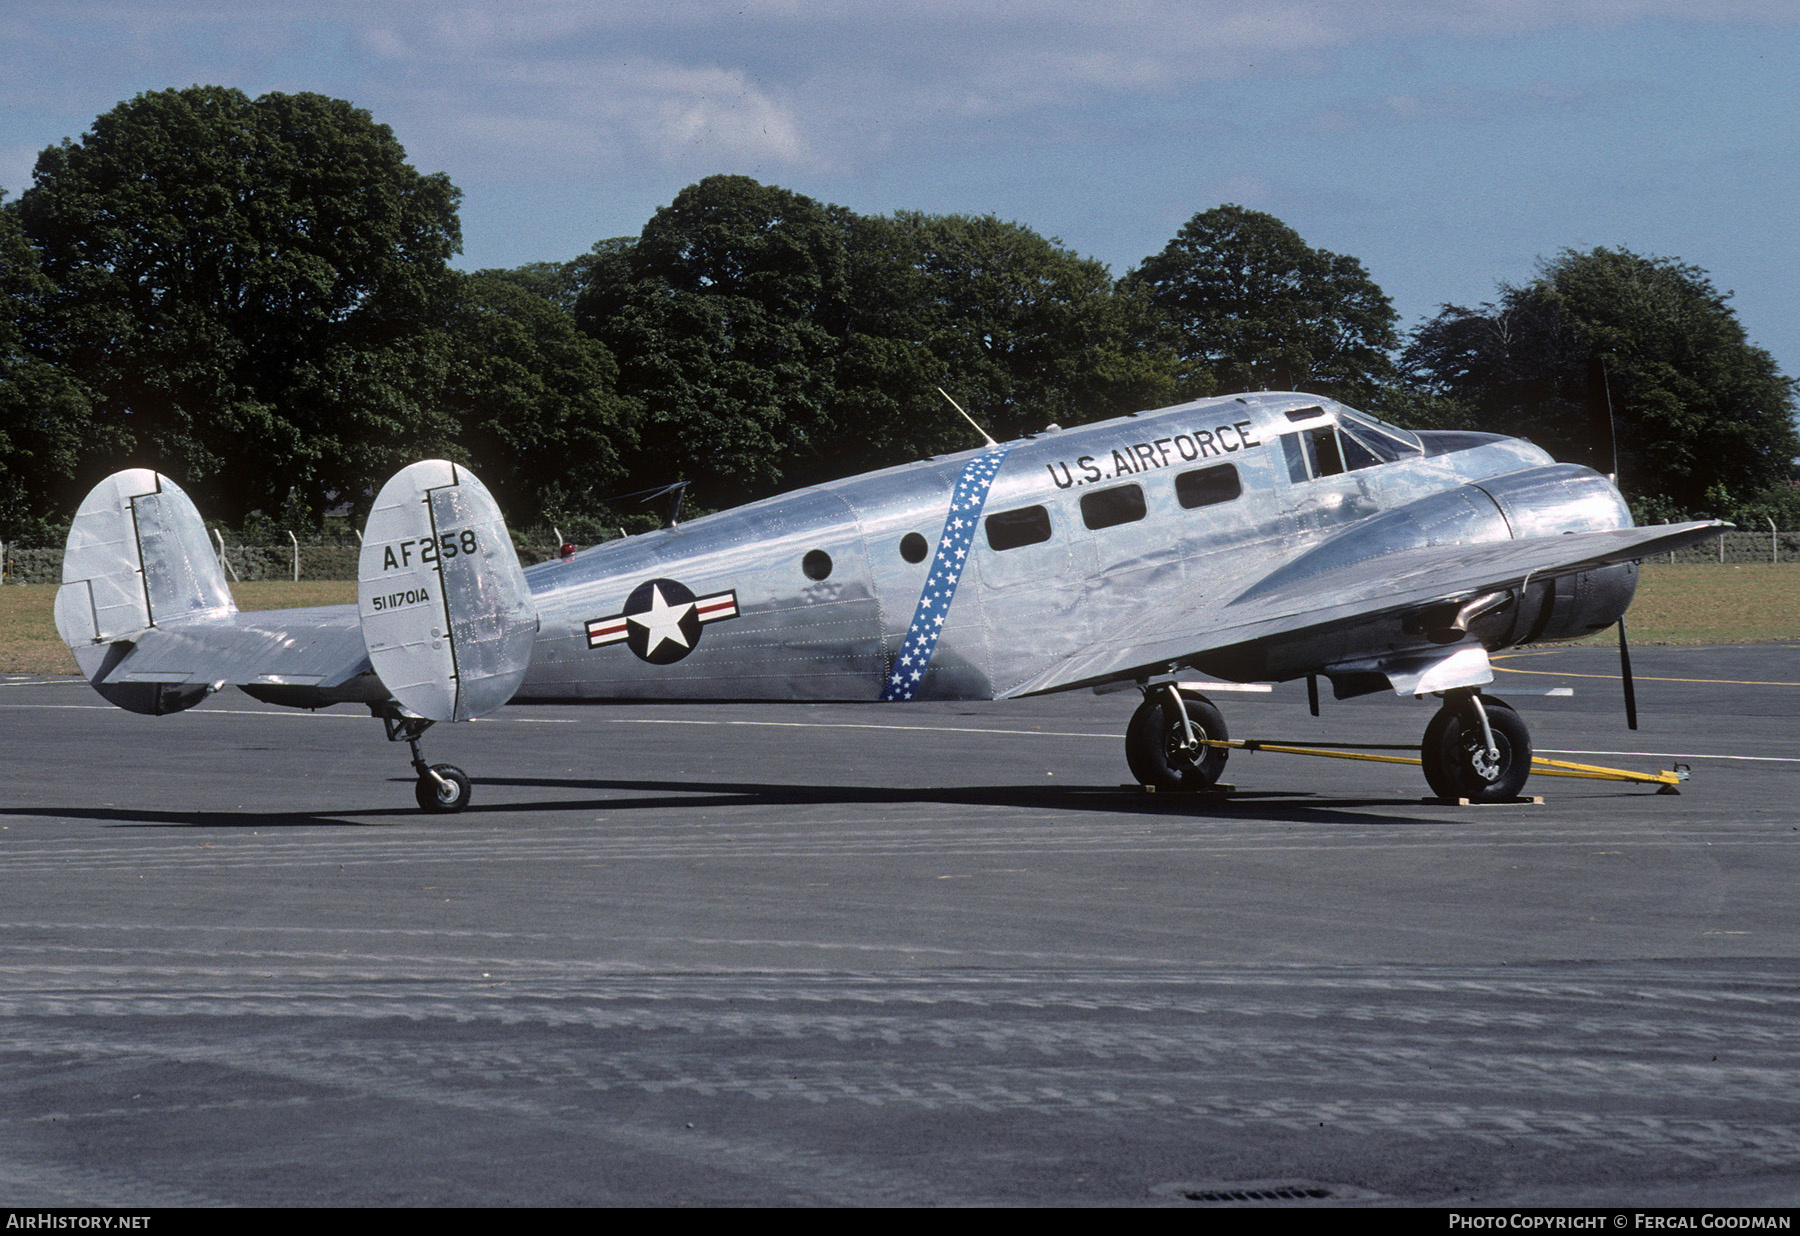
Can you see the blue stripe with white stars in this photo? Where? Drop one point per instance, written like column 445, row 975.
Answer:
column 946, row 572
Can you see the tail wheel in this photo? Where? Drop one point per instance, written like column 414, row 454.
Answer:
column 447, row 792
column 1157, row 746
column 1455, row 754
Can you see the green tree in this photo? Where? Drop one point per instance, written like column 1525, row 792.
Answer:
column 1703, row 417
column 248, row 287
column 777, row 341
column 722, row 317
column 46, row 418
column 533, row 400
column 1248, row 305
column 1021, row 331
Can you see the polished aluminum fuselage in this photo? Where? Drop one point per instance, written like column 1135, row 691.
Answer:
column 794, row 632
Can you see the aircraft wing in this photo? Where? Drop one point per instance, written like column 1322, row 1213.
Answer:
column 1167, row 634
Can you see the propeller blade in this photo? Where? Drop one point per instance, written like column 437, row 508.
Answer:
column 1625, row 677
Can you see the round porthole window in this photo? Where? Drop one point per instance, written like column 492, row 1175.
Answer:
column 913, row 547
column 816, row 564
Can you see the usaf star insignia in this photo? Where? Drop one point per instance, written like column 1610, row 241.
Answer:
column 661, row 621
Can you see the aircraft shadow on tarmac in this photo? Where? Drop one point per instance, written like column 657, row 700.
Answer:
column 615, row 795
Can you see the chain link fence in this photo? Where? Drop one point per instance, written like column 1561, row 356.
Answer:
column 253, row 562
column 245, row 562
column 1740, row 546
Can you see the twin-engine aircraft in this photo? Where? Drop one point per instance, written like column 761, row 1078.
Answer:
column 1247, row 539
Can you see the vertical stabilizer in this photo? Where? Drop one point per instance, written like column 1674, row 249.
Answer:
column 137, row 556
column 446, row 613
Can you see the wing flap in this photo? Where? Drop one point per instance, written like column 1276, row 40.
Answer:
column 1167, row 634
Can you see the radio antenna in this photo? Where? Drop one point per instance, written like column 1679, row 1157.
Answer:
column 967, row 417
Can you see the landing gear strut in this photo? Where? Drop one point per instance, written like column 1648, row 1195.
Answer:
column 1166, row 742
column 441, row 788
column 1477, row 748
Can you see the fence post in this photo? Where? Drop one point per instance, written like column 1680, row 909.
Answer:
column 1774, row 542
column 1721, row 547
column 291, row 537
column 224, row 562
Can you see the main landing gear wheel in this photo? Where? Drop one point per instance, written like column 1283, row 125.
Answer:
column 1458, row 763
column 448, row 791
column 1158, row 749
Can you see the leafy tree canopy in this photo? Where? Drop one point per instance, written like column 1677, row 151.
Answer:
column 1248, row 305
column 533, row 400
column 46, row 418
column 245, row 286
column 1703, row 417
column 721, row 316
column 775, row 341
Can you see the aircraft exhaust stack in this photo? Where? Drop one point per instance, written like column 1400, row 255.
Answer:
column 446, row 613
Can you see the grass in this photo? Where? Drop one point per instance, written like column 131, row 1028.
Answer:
column 1699, row 603
column 29, row 643
column 1708, row 603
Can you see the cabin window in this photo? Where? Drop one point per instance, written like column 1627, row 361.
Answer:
column 1207, row 486
column 1104, row 508
column 816, row 564
column 914, row 547
column 1026, row 526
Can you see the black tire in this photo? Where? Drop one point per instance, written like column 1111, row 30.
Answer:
column 1455, row 758
column 1431, row 753
column 1155, row 743
column 439, row 799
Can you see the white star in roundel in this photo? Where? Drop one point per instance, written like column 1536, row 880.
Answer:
column 662, row 622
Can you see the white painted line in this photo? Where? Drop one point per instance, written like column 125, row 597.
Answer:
column 1107, row 735
column 858, row 725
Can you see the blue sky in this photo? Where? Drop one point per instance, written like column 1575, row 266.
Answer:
column 1447, row 145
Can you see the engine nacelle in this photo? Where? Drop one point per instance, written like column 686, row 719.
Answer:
column 1567, row 607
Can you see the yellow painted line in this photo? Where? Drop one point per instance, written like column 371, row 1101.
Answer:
column 1539, row 765
column 1717, row 682
column 1551, row 652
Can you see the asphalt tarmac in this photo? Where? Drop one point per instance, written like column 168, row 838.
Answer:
column 914, row 954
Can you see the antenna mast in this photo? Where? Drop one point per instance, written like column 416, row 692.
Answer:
column 967, row 417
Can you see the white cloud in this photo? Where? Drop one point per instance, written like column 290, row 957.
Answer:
column 782, row 84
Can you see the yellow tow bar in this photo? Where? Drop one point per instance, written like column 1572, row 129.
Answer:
column 1542, row 767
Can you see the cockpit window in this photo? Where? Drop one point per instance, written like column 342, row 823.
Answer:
column 1357, row 441
column 1322, row 453
column 1387, row 442
column 1356, row 455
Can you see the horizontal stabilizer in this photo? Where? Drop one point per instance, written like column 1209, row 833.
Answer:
column 446, row 613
